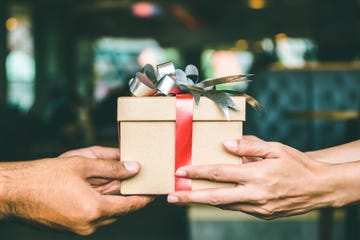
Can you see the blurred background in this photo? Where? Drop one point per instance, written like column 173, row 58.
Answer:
column 63, row 63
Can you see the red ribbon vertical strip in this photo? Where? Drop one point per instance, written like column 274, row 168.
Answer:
column 183, row 141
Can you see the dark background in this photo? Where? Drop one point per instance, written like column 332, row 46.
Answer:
column 299, row 103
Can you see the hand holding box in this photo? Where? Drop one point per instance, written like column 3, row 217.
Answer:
column 184, row 124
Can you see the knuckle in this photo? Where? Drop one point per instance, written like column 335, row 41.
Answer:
column 266, row 213
column 216, row 174
column 75, row 163
column 260, row 199
column 260, row 176
column 246, row 146
column 94, row 150
column 277, row 146
column 93, row 215
column 89, row 212
column 115, row 167
column 216, row 199
column 185, row 198
column 78, row 160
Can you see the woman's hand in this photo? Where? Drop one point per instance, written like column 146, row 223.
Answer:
column 275, row 181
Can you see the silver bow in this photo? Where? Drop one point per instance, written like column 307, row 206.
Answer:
column 166, row 80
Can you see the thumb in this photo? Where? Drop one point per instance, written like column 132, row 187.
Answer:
column 250, row 148
column 111, row 169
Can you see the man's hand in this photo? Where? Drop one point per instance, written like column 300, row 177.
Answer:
column 275, row 181
column 70, row 192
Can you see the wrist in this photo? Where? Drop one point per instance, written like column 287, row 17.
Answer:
column 4, row 193
column 344, row 180
column 320, row 156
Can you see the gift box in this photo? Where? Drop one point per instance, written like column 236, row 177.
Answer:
column 152, row 131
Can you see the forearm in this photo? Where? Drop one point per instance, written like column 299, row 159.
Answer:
column 2, row 197
column 348, row 152
column 345, row 181
column 52, row 191
column 17, row 182
column 4, row 193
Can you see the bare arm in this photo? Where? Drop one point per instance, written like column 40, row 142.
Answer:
column 71, row 192
column 339, row 154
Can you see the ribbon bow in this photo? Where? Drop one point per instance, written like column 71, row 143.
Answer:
column 166, row 80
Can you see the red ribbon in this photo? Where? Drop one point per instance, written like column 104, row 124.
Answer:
column 183, row 140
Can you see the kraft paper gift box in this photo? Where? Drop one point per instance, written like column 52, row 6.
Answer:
column 147, row 134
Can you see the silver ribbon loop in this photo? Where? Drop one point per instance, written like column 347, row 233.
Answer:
column 167, row 80
column 164, row 69
column 166, row 84
column 192, row 72
column 141, row 85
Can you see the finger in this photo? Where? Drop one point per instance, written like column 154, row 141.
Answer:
column 251, row 159
column 237, row 173
column 114, row 206
column 95, row 182
column 260, row 211
column 245, row 208
column 110, row 169
column 105, row 152
column 73, row 153
column 252, row 138
column 95, row 152
column 250, row 148
column 112, row 187
column 242, row 207
column 215, row 197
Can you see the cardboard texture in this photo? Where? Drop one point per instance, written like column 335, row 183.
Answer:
column 147, row 135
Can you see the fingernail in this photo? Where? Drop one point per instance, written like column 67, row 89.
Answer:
column 172, row 199
column 131, row 166
column 181, row 172
column 231, row 144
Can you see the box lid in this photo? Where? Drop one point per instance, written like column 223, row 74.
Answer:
column 163, row 109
